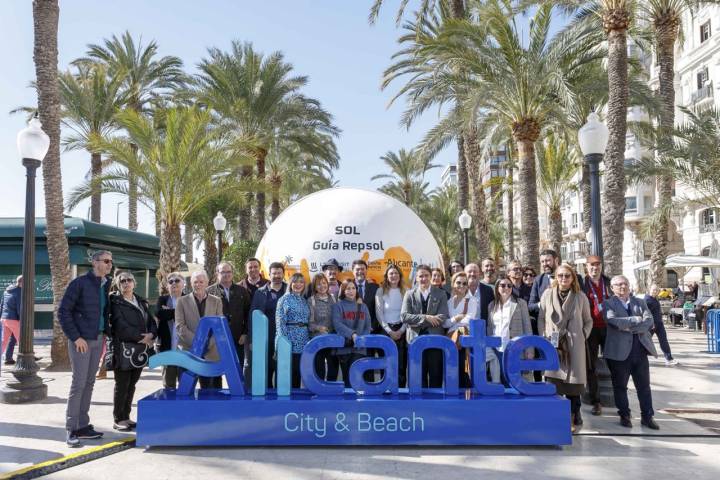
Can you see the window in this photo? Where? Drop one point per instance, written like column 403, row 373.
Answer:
column 630, row 161
column 630, row 204
column 648, row 204
column 705, row 32
column 564, row 228
column 574, row 221
column 703, row 77
column 709, row 216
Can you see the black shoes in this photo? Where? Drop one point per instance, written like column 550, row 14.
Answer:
column 9, row 361
column 88, row 433
column 650, row 423
column 578, row 421
column 625, row 421
column 596, row 409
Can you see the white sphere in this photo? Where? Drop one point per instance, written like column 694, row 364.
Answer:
column 348, row 224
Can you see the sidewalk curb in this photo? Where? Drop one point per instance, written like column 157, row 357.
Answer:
column 83, row 456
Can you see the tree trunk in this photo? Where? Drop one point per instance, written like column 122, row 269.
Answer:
column 260, row 197
column 457, row 8
column 586, row 203
column 555, row 228
column 95, row 198
column 170, row 246
column 245, row 211
column 666, row 28
column 613, row 212
column 276, row 183
column 45, row 56
column 189, row 236
column 158, row 221
column 462, row 184
column 477, row 193
column 510, row 204
column 210, row 253
column 132, row 203
column 527, row 185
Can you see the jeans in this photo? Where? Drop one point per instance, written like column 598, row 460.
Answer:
column 595, row 342
column 659, row 330
column 125, row 381
column 84, row 368
column 637, row 366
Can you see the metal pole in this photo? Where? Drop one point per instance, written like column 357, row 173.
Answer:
column 465, row 246
column 593, row 161
column 27, row 386
column 219, row 247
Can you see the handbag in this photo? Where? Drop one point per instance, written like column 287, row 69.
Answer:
column 109, row 360
column 134, row 355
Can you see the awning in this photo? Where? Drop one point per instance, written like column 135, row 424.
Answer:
column 682, row 261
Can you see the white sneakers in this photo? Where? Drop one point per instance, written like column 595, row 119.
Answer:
column 671, row 362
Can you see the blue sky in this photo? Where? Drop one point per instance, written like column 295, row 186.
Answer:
column 328, row 40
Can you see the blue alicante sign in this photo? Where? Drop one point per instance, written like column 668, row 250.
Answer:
column 370, row 413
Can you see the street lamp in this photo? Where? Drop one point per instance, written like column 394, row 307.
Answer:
column 465, row 220
column 220, row 223
column 33, row 145
column 117, row 212
column 593, row 138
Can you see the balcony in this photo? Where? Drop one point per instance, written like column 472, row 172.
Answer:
column 702, row 93
column 710, row 227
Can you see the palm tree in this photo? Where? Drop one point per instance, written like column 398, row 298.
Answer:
column 518, row 88
column 440, row 213
column 45, row 20
column 180, row 164
column 145, row 78
column 90, row 99
column 557, row 167
column 407, row 180
column 257, row 97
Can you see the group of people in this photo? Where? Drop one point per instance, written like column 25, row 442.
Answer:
column 107, row 323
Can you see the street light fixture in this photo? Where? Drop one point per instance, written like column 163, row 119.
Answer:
column 33, row 145
column 220, row 223
column 593, row 138
column 465, row 221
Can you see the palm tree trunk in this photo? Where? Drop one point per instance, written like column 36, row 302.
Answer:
column 158, row 222
column 527, row 185
column 170, row 246
column 555, row 228
column 586, row 202
column 457, row 8
column 462, row 184
column 132, row 203
column 189, row 235
column 260, row 198
column 666, row 28
column 95, row 198
column 245, row 211
column 276, row 183
column 510, row 204
column 477, row 193
column 45, row 55
column 613, row 212
column 210, row 253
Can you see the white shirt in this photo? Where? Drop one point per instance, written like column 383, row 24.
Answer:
column 458, row 310
column 501, row 321
column 425, row 293
column 391, row 306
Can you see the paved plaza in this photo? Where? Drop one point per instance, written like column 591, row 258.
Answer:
column 688, row 443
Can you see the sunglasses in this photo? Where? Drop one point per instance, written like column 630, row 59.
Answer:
column 106, row 261
column 504, row 285
column 126, row 280
column 563, row 275
column 174, row 281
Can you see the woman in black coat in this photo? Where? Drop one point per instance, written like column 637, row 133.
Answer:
column 133, row 330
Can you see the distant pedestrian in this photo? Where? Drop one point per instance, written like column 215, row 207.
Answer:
column 11, row 313
column 133, row 331
column 658, row 325
column 626, row 349
column 83, row 315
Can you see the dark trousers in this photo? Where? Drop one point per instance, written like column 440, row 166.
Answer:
column 402, row 356
column 345, row 361
column 170, row 376
column 10, row 348
column 326, row 365
column 659, row 330
column 432, row 368
column 463, row 376
column 637, row 366
column 210, row 382
column 125, row 381
column 295, row 370
column 537, row 374
column 574, row 403
column 595, row 343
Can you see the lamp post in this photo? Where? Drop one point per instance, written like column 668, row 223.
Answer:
column 465, row 220
column 220, row 223
column 33, row 145
column 593, row 138
column 117, row 212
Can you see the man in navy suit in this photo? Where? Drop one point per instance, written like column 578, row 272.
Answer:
column 548, row 262
column 480, row 291
column 366, row 291
column 627, row 347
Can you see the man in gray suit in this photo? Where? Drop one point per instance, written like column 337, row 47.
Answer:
column 424, row 310
column 627, row 347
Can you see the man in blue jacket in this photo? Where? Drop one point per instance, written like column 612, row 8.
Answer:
column 10, row 314
column 83, row 317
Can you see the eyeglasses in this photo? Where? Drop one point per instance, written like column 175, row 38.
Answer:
column 126, row 280
column 173, row 281
column 563, row 275
column 619, row 285
column 226, row 272
column 528, row 274
column 106, row 261
column 504, row 285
